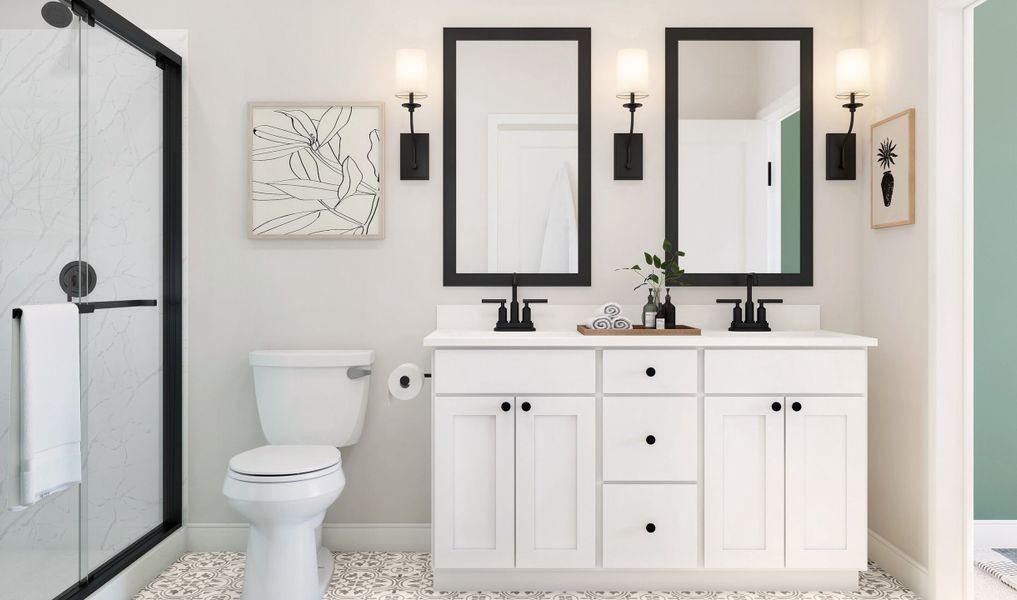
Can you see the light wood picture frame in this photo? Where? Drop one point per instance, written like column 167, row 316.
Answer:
column 892, row 171
column 316, row 170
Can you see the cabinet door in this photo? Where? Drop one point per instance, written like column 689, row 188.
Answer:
column 743, row 482
column 473, row 489
column 826, row 488
column 555, row 482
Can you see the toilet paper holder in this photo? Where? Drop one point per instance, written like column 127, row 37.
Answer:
column 404, row 381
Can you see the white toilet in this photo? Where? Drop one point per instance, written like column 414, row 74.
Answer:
column 309, row 402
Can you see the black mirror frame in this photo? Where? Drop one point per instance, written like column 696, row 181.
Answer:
column 803, row 35
column 581, row 35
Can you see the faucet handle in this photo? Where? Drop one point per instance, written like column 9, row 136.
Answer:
column 494, row 301
column 736, row 311
column 770, row 301
column 534, row 300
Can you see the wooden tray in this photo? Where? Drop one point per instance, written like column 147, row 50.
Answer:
column 640, row 330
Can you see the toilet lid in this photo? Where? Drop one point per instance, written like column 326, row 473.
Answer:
column 280, row 460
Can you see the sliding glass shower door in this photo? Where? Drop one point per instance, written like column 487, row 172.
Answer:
column 121, row 238
column 40, row 232
column 90, row 213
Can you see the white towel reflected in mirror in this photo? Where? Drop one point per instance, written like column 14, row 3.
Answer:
column 560, row 253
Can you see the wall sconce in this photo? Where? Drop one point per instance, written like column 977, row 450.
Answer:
column 411, row 81
column 853, row 84
column 633, row 84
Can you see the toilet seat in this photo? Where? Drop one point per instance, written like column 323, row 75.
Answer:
column 284, row 463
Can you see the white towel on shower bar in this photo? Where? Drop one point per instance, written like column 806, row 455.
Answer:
column 49, row 402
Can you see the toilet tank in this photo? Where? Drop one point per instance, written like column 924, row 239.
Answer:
column 311, row 396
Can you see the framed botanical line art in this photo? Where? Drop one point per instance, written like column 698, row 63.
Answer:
column 892, row 168
column 316, row 171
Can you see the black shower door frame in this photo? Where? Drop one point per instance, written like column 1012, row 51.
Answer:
column 95, row 13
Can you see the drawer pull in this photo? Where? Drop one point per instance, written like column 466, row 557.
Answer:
column 650, row 528
column 797, row 406
column 650, row 371
column 505, row 406
column 651, row 440
column 525, row 406
column 775, row 406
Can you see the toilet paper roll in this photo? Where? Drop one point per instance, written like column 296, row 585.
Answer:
column 405, row 382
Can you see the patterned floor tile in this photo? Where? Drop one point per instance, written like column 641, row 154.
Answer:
column 407, row 576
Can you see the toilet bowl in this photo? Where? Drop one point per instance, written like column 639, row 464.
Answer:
column 310, row 403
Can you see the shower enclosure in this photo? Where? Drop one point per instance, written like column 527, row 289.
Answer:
column 90, row 212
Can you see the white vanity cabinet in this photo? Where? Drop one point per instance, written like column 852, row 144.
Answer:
column 514, row 475
column 784, row 473
column 723, row 461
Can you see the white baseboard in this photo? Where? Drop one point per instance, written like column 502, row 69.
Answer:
column 896, row 562
column 338, row 537
column 141, row 572
column 995, row 534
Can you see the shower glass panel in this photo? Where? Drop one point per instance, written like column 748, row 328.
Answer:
column 86, row 185
column 39, row 233
column 122, row 240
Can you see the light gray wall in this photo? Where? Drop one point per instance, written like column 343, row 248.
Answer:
column 895, row 285
column 247, row 294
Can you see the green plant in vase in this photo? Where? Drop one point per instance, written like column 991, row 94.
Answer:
column 660, row 271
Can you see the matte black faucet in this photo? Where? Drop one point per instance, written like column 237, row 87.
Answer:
column 753, row 320
column 508, row 320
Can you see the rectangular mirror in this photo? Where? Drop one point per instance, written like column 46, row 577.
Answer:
column 739, row 154
column 517, row 156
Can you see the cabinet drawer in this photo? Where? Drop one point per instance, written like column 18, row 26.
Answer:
column 515, row 371
column 775, row 371
column 650, row 526
column 650, row 372
column 651, row 438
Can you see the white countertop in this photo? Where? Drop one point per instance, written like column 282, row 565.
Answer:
column 472, row 338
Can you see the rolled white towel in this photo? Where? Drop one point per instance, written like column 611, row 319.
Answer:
column 600, row 322
column 620, row 323
column 611, row 309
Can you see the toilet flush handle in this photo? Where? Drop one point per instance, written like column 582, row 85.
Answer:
column 357, row 372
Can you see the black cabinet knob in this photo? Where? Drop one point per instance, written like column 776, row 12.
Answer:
column 651, row 440
column 505, row 406
column 525, row 406
column 775, row 406
column 650, row 528
column 796, row 406
column 650, row 371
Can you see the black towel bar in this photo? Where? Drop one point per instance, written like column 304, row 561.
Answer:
column 90, row 307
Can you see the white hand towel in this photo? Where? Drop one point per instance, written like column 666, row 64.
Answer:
column 611, row 309
column 560, row 252
column 620, row 322
column 599, row 322
column 50, row 400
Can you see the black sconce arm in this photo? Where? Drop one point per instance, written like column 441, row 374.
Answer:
column 411, row 106
column 632, row 105
column 852, row 106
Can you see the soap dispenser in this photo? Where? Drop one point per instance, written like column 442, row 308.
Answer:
column 669, row 312
column 649, row 312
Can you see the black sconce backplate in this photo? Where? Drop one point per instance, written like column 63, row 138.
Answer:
column 834, row 171
column 621, row 149
column 406, row 170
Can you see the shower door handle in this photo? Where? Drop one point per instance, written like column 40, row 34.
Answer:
column 86, row 308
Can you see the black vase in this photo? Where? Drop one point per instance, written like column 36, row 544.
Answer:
column 887, row 186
